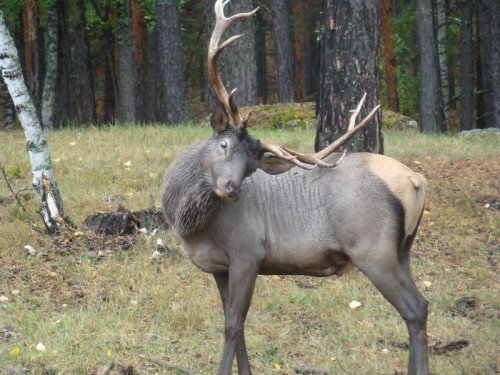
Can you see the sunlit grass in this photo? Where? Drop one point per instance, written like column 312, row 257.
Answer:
column 87, row 311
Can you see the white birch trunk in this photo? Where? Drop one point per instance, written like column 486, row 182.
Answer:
column 41, row 166
column 443, row 66
column 49, row 85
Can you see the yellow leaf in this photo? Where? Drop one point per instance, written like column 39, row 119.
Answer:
column 277, row 366
column 15, row 292
column 128, row 163
column 109, row 353
column 426, row 213
column 15, row 352
column 72, row 143
column 40, row 347
column 427, row 283
column 3, row 299
column 53, row 274
column 276, row 277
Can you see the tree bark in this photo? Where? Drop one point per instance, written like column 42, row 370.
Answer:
column 260, row 56
column 442, row 23
column 51, row 69
column 349, row 67
column 489, row 49
column 467, row 64
column 237, row 62
column 174, row 106
column 84, row 65
column 152, row 77
column 33, row 51
column 495, row 59
column 126, row 85
column 284, row 51
column 430, row 101
column 9, row 120
column 66, row 84
column 389, row 57
column 311, row 49
column 44, row 182
column 139, row 41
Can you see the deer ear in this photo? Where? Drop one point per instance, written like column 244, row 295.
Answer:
column 219, row 119
column 274, row 165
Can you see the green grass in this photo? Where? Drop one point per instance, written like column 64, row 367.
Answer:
column 87, row 310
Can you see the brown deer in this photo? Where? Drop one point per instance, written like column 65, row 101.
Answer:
column 242, row 208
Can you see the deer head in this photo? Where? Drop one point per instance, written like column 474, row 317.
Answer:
column 237, row 154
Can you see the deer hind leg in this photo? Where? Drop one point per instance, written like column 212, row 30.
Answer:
column 391, row 275
column 240, row 287
column 222, row 280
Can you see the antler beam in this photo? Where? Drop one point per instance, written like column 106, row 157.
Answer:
column 310, row 161
column 222, row 23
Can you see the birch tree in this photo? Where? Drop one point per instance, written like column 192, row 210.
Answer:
column 43, row 181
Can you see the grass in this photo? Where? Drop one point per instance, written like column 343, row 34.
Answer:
column 87, row 309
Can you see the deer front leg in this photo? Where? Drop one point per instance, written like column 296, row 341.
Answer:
column 222, row 280
column 241, row 284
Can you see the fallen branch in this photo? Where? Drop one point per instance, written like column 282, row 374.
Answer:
column 161, row 362
column 310, row 371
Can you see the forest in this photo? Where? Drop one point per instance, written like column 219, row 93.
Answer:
column 93, row 277
column 144, row 61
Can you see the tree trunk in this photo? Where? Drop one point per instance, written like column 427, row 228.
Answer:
column 33, row 49
column 66, row 84
column 139, row 39
column 237, row 62
column 442, row 23
column 84, row 64
column 299, row 36
column 51, row 69
column 44, row 182
column 152, row 77
column 126, row 85
column 174, row 106
column 311, row 49
column 467, row 64
column 495, row 60
column 389, row 57
column 283, row 49
column 260, row 56
column 9, row 120
column 349, row 67
column 430, row 101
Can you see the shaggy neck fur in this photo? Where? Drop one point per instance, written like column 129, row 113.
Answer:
column 188, row 198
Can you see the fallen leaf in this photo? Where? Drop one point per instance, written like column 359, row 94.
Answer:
column 277, row 366
column 385, row 351
column 427, row 283
column 15, row 352
column 276, row 277
column 354, row 305
column 128, row 163
column 15, row 292
column 72, row 143
column 40, row 347
column 4, row 298
column 426, row 213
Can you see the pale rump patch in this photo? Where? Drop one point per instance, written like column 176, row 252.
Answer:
column 406, row 185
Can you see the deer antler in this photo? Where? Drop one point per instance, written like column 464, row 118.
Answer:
column 310, row 161
column 222, row 23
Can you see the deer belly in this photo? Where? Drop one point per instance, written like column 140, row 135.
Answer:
column 310, row 262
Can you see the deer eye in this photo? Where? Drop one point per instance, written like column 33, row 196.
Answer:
column 223, row 145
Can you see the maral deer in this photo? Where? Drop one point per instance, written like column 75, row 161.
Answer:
column 242, row 208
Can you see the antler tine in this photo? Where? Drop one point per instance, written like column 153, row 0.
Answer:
column 310, row 161
column 222, row 23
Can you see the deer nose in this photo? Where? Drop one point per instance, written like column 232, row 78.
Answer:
column 233, row 191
